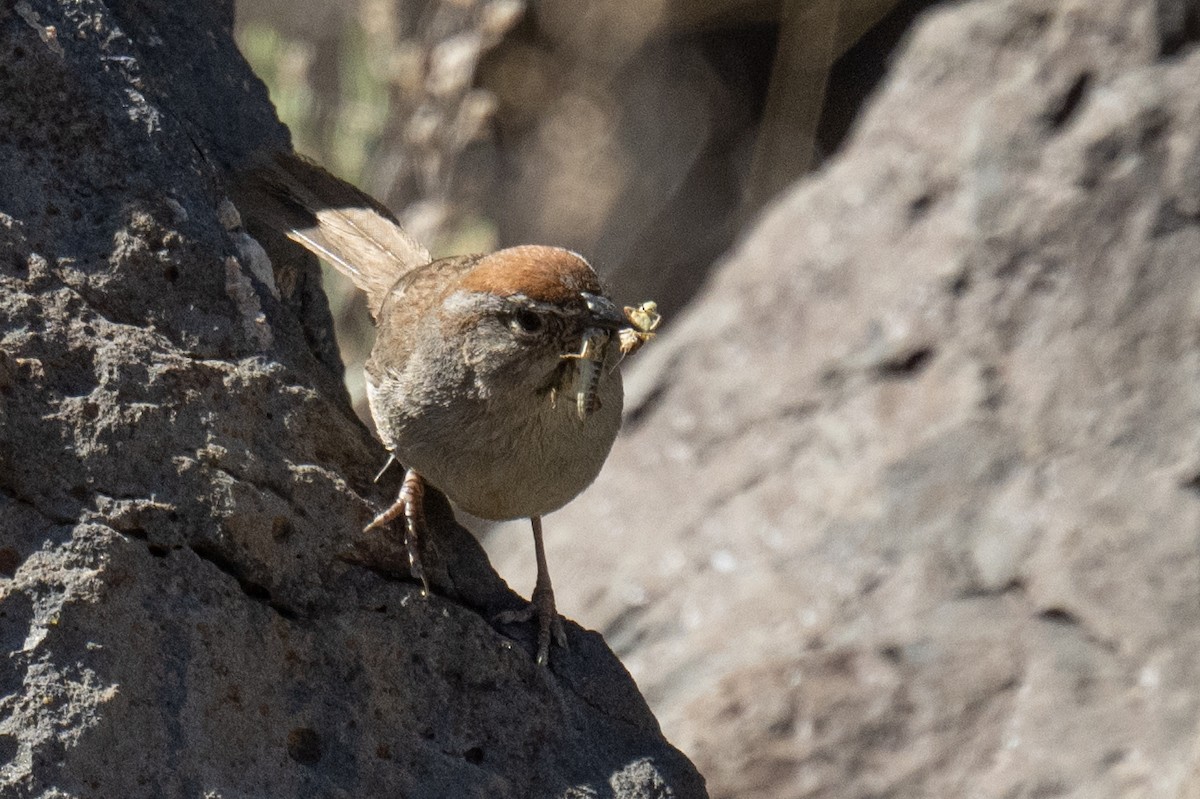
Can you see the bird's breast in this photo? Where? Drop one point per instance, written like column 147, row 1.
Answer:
column 505, row 457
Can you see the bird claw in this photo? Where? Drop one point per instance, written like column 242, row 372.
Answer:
column 411, row 504
column 550, row 623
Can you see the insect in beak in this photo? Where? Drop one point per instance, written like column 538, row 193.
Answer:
column 589, row 359
column 643, row 320
column 633, row 328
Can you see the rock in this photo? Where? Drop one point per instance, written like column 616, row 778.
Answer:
column 909, row 500
column 187, row 607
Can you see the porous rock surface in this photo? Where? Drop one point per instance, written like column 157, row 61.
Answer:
column 909, row 500
column 187, row 607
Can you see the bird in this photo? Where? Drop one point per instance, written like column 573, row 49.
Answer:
column 493, row 377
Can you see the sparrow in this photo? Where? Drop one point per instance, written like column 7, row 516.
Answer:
column 493, row 377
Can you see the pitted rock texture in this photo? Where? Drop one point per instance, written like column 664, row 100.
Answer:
column 187, row 606
column 909, row 503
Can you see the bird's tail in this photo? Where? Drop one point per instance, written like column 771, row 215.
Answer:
column 330, row 218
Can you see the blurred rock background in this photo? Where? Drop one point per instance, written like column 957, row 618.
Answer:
column 645, row 135
column 908, row 503
column 188, row 605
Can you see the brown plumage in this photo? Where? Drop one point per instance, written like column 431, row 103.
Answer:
column 545, row 274
column 471, row 354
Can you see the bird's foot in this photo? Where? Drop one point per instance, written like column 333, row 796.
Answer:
column 550, row 624
column 411, row 504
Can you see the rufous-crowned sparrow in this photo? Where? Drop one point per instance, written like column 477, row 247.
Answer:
column 491, row 377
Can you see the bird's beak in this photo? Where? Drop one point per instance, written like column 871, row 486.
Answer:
column 605, row 314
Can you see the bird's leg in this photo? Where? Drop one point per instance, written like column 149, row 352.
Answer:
column 541, row 604
column 411, row 503
column 549, row 622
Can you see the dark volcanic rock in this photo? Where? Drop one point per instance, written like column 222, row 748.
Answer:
column 186, row 606
column 910, row 504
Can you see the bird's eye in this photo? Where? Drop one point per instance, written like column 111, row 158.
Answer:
column 526, row 323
